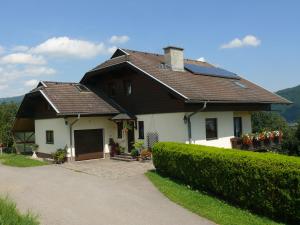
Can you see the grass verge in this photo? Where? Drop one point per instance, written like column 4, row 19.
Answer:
column 10, row 215
column 19, row 161
column 205, row 205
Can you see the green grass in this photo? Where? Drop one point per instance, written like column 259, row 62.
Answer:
column 10, row 215
column 20, row 160
column 204, row 205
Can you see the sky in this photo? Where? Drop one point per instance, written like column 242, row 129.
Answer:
column 61, row 40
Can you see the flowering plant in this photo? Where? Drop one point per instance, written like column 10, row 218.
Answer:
column 247, row 139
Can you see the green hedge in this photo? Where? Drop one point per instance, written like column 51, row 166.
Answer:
column 266, row 183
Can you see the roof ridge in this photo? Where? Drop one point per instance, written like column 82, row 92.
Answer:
column 157, row 54
column 59, row 82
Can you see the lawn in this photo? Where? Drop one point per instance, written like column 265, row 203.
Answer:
column 204, row 205
column 20, row 161
column 10, row 215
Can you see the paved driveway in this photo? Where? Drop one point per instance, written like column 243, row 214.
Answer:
column 92, row 192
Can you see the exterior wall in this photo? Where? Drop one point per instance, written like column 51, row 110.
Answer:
column 60, row 132
column 109, row 128
column 225, row 129
column 171, row 127
column 246, row 121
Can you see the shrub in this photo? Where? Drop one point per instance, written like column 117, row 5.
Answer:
column 266, row 183
column 134, row 153
column 60, row 155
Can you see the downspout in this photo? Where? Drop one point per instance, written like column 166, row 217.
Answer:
column 187, row 118
column 71, row 136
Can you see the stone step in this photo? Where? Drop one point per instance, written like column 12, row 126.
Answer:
column 124, row 156
column 119, row 157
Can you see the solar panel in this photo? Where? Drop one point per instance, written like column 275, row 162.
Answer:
column 210, row 71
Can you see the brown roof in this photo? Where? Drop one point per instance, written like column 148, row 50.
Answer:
column 67, row 99
column 192, row 87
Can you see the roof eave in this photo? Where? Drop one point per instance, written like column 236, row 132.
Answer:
column 191, row 101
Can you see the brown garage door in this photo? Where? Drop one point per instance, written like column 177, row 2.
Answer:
column 88, row 144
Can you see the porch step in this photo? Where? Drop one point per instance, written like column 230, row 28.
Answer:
column 123, row 157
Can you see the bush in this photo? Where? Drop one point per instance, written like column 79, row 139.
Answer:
column 266, row 183
column 60, row 155
column 134, row 153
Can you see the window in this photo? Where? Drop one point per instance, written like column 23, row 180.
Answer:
column 127, row 87
column 141, row 129
column 49, row 137
column 120, row 128
column 211, row 128
column 81, row 88
column 237, row 126
column 111, row 89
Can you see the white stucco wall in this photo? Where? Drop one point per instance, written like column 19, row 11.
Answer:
column 171, row 127
column 109, row 128
column 246, row 121
column 61, row 132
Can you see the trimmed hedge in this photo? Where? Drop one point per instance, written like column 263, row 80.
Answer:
column 266, row 183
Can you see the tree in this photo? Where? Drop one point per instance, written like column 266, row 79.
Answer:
column 269, row 121
column 7, row 116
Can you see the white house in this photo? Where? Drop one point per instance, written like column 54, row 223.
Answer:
column 142, row 96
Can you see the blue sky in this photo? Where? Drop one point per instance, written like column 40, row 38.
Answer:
column 61, row 40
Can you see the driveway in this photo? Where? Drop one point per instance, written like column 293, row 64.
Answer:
column 92, row 193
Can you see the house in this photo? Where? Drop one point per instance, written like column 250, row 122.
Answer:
column 141, row 96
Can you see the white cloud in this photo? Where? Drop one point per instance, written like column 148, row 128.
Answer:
column 248, row 40
column 201, row 59
column 119, row 39
column 20, row 48
column 3, row 86
column 2, row 50
column 38, row 71
column 67, row 47
column 22, row 58
column 31, row 83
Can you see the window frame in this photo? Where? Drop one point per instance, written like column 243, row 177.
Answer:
column 215, row 136
column 120, row 129
column 127, row 85
column 234, row 126
column 141, row 132
column 49, row 139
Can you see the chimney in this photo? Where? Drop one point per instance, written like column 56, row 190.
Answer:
column 174, row 58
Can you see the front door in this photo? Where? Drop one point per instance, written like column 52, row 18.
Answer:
column 130, row 136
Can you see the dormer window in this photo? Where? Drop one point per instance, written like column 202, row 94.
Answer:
column 127, row 87
column 81, row 88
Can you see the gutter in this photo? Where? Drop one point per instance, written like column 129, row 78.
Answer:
column 71, row 139
column 187, row 119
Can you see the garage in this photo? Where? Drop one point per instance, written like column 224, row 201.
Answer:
column 88, row 144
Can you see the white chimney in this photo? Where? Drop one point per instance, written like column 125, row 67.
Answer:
column 174, row 58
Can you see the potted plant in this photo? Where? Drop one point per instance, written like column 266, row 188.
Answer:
column 146, row 154
column 60, row 156
column 247, row 140
column 135, row 154
column 277, row 134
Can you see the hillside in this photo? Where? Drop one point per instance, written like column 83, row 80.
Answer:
column 16, row 99
column 291, row 112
